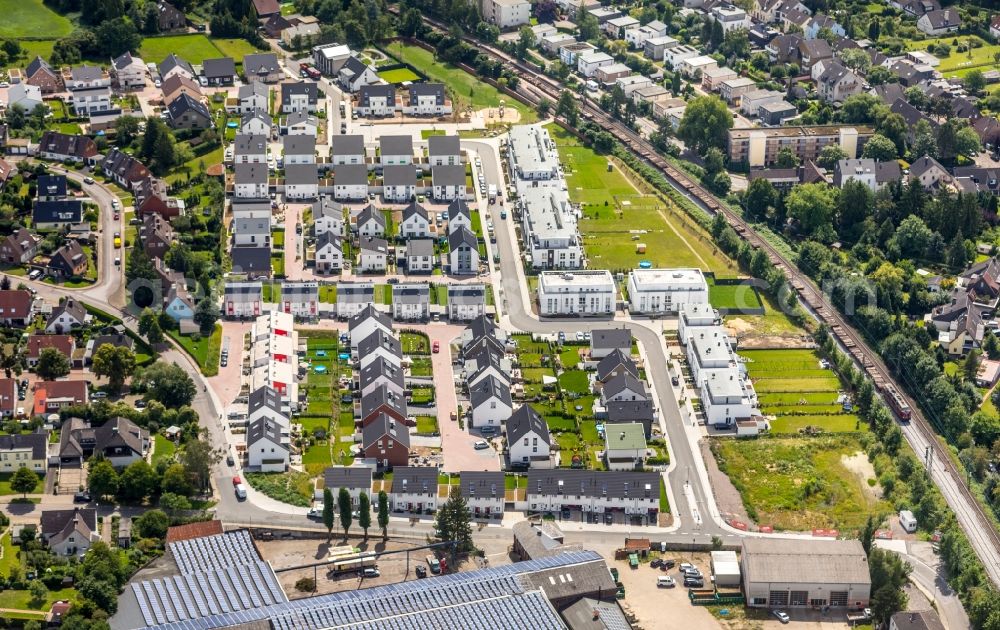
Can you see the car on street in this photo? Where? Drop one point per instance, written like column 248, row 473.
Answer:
column 81, row 497
column 421, row 571
column 481, row 445
column 437, row 347
column 316, row 511
column 224, row 360
column 88, row 180
column 562, row 336
column 117, row 216
column 241, row 492
column 781, row 615
column 118, row 261
column 229, row 460
column 236, row 480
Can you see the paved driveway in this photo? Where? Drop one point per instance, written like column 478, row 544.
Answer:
column 457, row 444
column 226, row 383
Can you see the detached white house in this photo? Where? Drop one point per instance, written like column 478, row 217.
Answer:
column 267, row 446
column 490, row 402
column 416, row 222
column 528, row 439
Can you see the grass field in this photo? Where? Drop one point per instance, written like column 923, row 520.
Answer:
column 792, row 386
column 732, row 296
column 465, row 90
column 957, row 64
column 617, row 217
column 194, row 48
column 398, row 75
column 798, row 483
column 163, row 449
column 31, row 18
column 205, row 350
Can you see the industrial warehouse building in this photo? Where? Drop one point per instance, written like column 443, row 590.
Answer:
column 805, row 573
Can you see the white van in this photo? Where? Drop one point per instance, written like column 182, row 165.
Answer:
column 241, row 492
column 907, row 521
column 666, row 581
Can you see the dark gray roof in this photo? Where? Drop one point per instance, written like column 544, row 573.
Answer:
column 233, row 289
column 380, row 369
column 443, row 145
column 256, row 113
column 299, row 174
column 218, row 68
column 526, row 420
column 54, row 521
column 623, row 382
column 457, row 207
column 420, row 247
column 595, row 614
column 328, row 238
column 250, row 173
column 308, row 88
column 300, row 291
column 350, row 175
column 448, row 175
column 382, row 425
column 593, row 483
column 62, row 211
column 184, row 103
column 300, row 117
column 614, row 359
column 399, row 175
column 349, row 477
column 264, row 397
column 429, row 89
column 123, row 61
column 396, row 145
column 37, row 442
column 251, row 259
column 38, row 64
column 478, row 484
column 414, row 479
column 917, row 620
column 379, row 339
column 462, row 236
column 487, row 389
column 414, row 208
column 265, row 428
column 611, row 338
column 414, row 293
column 172, row 61
column 368, row 92
column 347, row 145
column 253, row 88
column 355, row 292
column 467, row 294
column 70, row 307
column 262, row 63
column 327, row 207
column 377, row 245
column 368, row 312
column 383, row 397
column 630, row 411
column 371, row 213
column 249, row 144
column 51, row 185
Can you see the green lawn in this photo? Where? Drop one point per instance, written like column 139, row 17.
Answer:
column 464, row 89
column 31, row 18
column 328, row 293
column 427, row 424
column 22, row 599
column 235, row 48
column 205, row 350
column 163, row 449
column 732, row 296
column 415, row 343
column 960, row 63
column 773, row 322
column 617, row 217
column 799, row 483
column 420, row 367
column 10, row 557
column 37, row 48
column 398, row 75
column 293, row 488
column 5, row 485
column 195, row 48
column 574, row 381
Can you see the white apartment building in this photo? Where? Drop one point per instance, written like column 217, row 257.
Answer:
column 727, row 395
column 590, row 292
column 664, row 290
column 588, row 64
column 507, row 14
column 731, row 17
column 532, row 154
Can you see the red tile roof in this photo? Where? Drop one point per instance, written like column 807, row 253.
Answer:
column 15, row 304
column 62, row 343
column 193, row 530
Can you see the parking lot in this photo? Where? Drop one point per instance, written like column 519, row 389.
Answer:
column 392, row 568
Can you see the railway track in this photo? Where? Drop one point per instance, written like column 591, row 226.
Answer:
column 534, row 85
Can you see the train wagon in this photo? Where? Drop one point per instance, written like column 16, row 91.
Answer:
column 898, row 404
